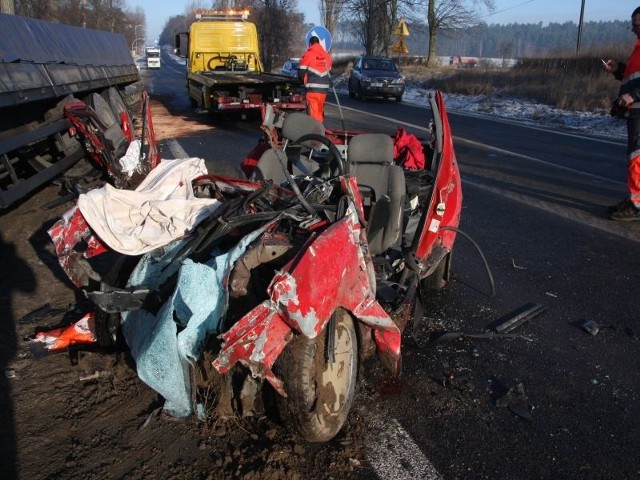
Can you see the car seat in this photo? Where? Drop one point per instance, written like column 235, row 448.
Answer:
column 294, row 157
column 382, row 185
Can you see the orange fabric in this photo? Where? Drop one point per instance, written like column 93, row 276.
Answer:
column 633, row 180
column 315, row 64
column 81, row 332
column 315, row 105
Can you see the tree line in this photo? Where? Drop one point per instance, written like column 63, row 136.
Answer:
column 442, row 27
column 109, row 15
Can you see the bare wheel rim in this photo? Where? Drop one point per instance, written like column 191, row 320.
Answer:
column 336, row 378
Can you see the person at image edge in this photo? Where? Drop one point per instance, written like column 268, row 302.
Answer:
column 629, row 73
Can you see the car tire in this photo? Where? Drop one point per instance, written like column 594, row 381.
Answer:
column 319, row 394
column 399, row 98
column 361, row 96
column 439, row 278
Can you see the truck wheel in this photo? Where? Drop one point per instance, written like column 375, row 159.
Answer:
column 320, row 393
column 116, row 103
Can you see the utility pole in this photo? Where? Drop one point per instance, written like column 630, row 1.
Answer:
column 580, row 28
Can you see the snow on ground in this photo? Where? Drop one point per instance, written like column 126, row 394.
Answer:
column 598, row 123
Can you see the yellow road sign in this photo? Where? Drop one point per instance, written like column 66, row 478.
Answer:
column 402, row 28
column 400, row 46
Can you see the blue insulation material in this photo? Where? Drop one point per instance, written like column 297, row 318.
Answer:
column 165, row 345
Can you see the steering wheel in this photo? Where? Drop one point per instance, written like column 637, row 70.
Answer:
column 334, row 157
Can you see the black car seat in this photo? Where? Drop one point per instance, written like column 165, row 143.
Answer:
column 295, row 157
column 382, row 185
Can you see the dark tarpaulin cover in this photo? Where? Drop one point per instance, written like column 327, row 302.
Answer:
column 36, row 41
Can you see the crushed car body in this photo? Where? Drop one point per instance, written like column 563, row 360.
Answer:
column 290, row 276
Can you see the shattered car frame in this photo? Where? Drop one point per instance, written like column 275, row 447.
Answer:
column 278, row 276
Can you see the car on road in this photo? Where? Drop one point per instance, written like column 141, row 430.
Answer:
column 290, row 67
column 375, row 77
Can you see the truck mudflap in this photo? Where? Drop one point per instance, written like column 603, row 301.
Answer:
column 303, row 295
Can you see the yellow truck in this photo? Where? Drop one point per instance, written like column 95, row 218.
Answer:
column 224, row 69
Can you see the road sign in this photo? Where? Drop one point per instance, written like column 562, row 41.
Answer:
column 401, row 29
column 400, row 46
column 323, row 35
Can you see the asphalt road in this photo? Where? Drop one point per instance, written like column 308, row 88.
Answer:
column 534, row 203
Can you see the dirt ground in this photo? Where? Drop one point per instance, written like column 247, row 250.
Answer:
column 84, row 414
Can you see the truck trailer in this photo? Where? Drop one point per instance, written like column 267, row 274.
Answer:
column 43, row 67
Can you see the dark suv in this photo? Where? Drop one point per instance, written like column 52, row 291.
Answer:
column 375, row 77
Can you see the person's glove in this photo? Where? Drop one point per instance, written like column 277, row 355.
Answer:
column 621, row 105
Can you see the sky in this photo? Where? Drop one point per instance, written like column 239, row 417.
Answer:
column 507, row 11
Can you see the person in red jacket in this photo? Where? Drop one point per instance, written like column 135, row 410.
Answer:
column 629, row 74
column 314, row 69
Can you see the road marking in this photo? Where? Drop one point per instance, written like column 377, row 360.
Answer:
column 176, row 150
column 496, row 149
column 620, row 229
column 393, row 454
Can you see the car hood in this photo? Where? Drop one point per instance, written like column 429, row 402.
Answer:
column 380, row 74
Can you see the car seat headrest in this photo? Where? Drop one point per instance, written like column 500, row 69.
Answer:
column 370, row 148
column 297, row 124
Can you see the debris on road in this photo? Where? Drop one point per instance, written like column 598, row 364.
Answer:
column 517, row 402
column 591, row 327
column 518, row 317
column 81, row 332
column 517, row 267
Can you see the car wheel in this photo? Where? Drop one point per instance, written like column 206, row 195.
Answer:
column 319, row 392
column 351, row 92
column 361, row 96
column 399, row 98
column 440, row 276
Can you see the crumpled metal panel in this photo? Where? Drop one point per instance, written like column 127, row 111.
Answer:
column 332, row 272
column 68, row 232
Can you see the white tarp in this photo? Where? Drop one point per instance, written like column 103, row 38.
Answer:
column 162, row 208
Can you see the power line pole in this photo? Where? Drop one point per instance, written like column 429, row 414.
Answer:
column 580, row 28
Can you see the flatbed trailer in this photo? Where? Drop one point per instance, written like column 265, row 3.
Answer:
column 224, row 68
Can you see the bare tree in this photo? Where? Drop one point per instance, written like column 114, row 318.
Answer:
column 330, row 13
column 280, row 26
column 448, row 16
column 373, row 22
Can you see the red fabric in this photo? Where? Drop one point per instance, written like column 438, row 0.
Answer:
column 633, row 64
column 249, row 163
column 408, row 151
column 315, row 105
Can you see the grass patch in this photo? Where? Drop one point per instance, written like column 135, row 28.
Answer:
column 568, row 83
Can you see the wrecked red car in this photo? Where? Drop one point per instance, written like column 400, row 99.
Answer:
column 283, row 281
